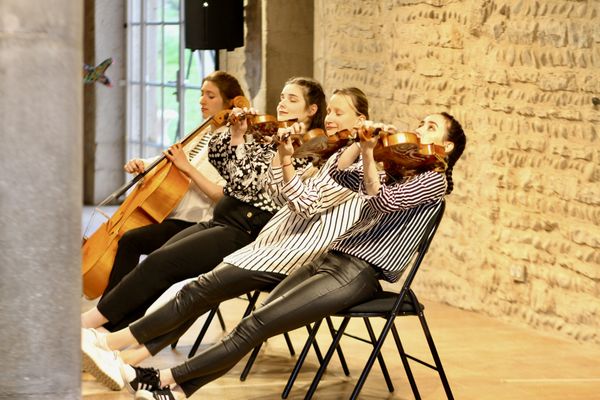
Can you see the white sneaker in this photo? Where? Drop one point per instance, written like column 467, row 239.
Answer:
column 104, row 365
column 95, row 337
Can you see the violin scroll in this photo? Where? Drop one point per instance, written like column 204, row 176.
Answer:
column 223, row 116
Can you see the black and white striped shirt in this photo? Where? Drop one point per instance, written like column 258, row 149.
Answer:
column 391, row 223
column 313, row 213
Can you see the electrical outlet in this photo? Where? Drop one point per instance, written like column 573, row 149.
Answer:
column 518, row 273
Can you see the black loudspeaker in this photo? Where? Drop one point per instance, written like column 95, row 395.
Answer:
column 214, row 24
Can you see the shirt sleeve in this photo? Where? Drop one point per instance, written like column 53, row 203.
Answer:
column 416, row 190
column 350, row 177
column 244, row 166
column 314, row 195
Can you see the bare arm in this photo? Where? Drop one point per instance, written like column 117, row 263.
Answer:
column 371, row 177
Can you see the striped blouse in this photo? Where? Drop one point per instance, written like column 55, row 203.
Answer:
column 313, row 214
column 387, row 233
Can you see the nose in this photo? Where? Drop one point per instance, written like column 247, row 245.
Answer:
column 281, row 103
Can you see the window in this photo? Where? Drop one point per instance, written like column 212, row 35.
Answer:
column 163, row 78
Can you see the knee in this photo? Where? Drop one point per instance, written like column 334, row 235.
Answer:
column 130, row 239
column 249, row 333
column 194, row 291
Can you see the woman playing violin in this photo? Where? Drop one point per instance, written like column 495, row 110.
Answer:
column 378, row 246
column 315, row 210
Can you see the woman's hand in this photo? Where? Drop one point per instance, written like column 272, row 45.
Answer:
column 135, row 166
column 238, row 122
column 284, row 135
column 369, row 141
column 177, row 156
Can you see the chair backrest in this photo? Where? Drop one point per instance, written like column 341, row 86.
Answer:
column 422, row 247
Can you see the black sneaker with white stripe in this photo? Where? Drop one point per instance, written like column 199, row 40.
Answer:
column 145, row 379
column 162, row 394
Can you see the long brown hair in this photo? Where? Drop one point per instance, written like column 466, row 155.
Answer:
column 313, row 94
column 457, row 136
column 228, row 85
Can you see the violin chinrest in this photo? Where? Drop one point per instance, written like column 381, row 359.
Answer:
column 312, row 148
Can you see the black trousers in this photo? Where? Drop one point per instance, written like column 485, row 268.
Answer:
column 191, row 252
column 141, row 241
column 329, row 284
column 166, row 324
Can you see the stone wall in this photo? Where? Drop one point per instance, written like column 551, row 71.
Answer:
column 521, row 237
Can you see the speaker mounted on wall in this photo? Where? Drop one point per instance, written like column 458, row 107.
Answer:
column 214, row 24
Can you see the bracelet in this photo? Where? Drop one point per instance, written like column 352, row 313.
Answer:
column 286, row 165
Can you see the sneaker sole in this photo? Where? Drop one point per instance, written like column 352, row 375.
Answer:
column 92, row 368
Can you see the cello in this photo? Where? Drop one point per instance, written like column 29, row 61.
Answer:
column 157, row 192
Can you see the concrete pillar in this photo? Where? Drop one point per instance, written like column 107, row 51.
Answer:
column 40, row 198
column 288, row 44
column 278, row 45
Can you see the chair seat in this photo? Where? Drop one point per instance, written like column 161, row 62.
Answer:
column 381, row 304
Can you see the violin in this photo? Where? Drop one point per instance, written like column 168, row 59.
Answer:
column 319, row 146
column 402, row 153
column 224, row 116
column 266, row 126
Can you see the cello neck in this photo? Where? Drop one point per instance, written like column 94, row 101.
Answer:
column 202, row 129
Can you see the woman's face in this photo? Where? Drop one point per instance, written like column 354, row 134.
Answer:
column 211, row 101
column 340, row 114
column 292, row 104
column 433, row 129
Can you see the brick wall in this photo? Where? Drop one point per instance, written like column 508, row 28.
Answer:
column 521, row 237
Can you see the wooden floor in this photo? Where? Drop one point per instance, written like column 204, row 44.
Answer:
column 484, row 359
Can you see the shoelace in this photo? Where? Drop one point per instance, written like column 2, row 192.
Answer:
column 147, row 378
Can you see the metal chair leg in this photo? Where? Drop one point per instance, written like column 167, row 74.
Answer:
column 301, row 358
column 384, row 369
column 436, row 357
column 250, row 363
column 332, row 348
column 290, row 346
column 203, row 331
column 405, row 363
column 376, row 349
column 221, row 320
column 338, row 348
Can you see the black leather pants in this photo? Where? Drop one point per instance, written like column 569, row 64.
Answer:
column 329, row 284
column 166, row 324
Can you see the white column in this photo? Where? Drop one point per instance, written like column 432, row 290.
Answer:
column 40, row 198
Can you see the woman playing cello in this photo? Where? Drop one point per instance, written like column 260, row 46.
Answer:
column 218, row 91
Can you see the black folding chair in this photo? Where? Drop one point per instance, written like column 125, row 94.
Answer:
column 252, row 300
column 386, row 305
column 211, row 315
column 209, row 318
